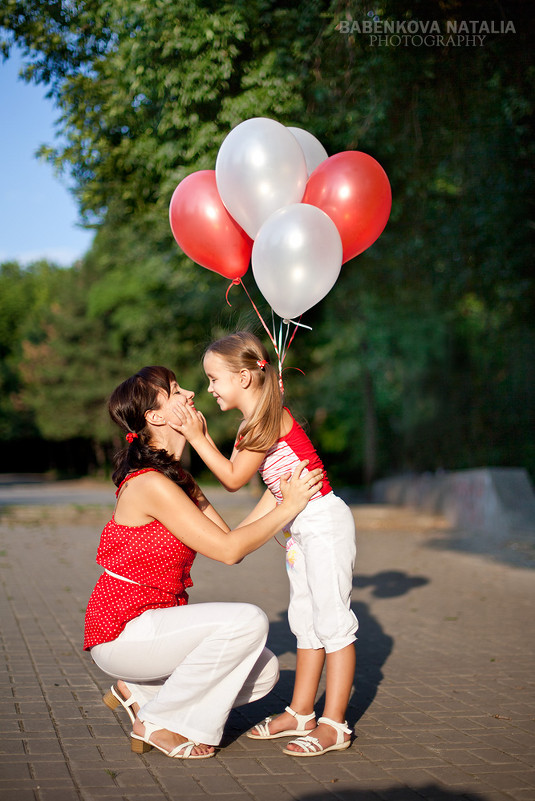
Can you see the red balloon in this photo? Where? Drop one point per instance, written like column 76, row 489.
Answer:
column 204, row 229
column 353, row 189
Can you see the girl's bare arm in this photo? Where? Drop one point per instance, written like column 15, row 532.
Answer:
column 233, row 473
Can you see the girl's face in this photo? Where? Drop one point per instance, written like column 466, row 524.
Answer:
column 223, row 384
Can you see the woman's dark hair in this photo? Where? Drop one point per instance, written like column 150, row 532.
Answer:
column 127, row 407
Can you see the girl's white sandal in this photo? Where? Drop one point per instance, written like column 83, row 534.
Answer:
column 311, row 745
column 263, row 727
column 140, row 745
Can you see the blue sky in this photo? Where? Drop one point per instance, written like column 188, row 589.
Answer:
column 38, row 215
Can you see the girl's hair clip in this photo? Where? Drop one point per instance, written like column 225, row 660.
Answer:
column 261, row 363
column 131, row 436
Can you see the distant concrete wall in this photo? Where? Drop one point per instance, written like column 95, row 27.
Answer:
column 498, row 501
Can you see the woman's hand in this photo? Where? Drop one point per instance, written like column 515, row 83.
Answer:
column 298, row 489
column 189, row 422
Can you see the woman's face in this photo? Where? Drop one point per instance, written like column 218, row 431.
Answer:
column 178, row 395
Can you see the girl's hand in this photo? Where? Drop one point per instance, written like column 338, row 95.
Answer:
column 189, row 422
column 298, row 489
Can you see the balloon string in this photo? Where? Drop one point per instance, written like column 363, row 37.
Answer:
column 290, row 342
column 283, row 347
column 274, row 332
column 296, row 322
column 234, row 282
column 281, row 353
column 260, row 318
column 280, row 349
column 277, row 351
column 296, row 368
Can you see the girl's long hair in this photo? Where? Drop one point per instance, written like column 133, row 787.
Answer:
column 244, row 350
column 127, row 406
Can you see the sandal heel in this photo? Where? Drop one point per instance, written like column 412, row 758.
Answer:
column 110, row 700
column 139, row 746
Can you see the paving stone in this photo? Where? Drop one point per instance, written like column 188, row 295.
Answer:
column 126, row 777
column 220, row 785
column 56, row 794
column 269, row 792
column 244, row 766
column 443, row 707
column 179, row 784
column 46, row 769
column 14, row 770
column 118, row 794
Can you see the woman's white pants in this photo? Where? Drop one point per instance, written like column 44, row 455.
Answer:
column 188, row 666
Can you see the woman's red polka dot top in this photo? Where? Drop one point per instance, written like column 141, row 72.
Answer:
column 151, row 557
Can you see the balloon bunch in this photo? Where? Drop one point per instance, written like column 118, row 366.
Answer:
column 277, row 200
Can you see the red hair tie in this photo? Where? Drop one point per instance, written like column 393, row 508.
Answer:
column 131, row 436
column 261, row 363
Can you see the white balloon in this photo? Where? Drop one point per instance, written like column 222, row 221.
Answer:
column 296, row 258
column 260, row 167
column 312, row 148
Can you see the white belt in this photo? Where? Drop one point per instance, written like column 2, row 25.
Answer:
column 121, row 578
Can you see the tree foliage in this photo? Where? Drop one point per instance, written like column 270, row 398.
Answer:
column 419, row 357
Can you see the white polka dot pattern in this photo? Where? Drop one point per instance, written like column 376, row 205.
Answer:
column 149, row 555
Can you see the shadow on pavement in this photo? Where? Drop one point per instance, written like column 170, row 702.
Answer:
column 390, row 583
column 373, row 646
column 373, row 649
column 432, row 792
column 245, row 717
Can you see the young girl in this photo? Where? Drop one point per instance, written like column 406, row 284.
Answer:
column 320, row 549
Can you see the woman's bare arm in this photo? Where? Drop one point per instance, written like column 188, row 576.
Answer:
column 207, row 509
column 157, row 497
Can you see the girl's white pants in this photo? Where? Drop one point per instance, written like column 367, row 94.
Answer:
column 320, row 557
column 188, row 666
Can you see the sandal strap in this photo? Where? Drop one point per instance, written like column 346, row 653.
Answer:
column 132, row 699
column 184, row 749
column 150, row 728
column 126, row 702
column 263, row 727
column 187, row 747
column 301, row 719
column 307, row 743
column 341, row 728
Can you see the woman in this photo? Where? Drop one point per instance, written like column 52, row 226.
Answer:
column 181, row 668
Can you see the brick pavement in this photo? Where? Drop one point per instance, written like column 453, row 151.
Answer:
column 443, row 708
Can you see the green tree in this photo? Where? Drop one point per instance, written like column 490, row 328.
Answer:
column 145, row 97
column 24, row 293
column 453, row 128
column 417, row 356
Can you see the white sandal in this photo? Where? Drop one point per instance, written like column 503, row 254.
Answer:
column 114, row 697
column 263, row 727
column 141, row 744
column 311, row 745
